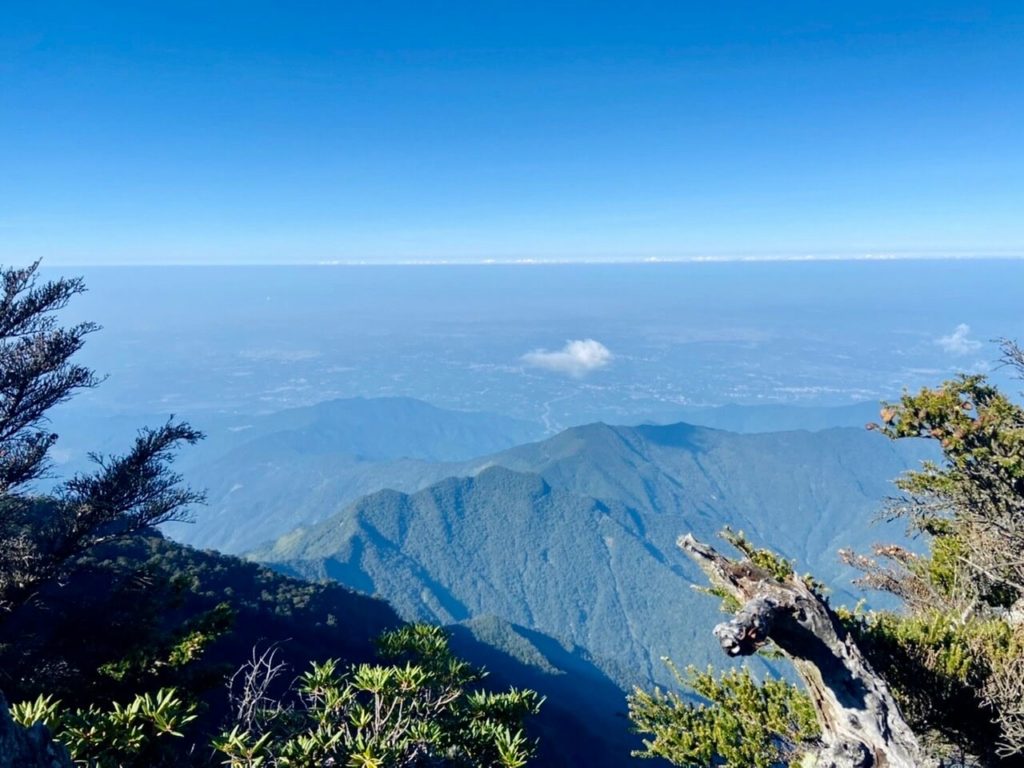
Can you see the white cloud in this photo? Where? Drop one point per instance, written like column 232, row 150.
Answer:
column 576, row 358
column 959, row 342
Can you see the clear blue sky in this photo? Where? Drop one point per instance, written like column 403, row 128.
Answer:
column 228, row 132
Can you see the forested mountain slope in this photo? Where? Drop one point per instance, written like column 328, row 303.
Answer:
column 507, row 543
column 269, row 475
column 265, row 475
column 804, row 493
column 577, row 539
column 126, row 596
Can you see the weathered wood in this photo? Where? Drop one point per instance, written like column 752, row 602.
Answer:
column 860, row 721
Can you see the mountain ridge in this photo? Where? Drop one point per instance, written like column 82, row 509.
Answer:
column 575, row 535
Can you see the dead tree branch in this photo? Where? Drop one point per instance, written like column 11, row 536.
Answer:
column 860, row 721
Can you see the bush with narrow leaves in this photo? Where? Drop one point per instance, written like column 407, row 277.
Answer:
column 417, row 710
column 132, row 735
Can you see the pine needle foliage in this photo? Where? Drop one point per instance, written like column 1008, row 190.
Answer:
column 955, row 656
column 742, row 723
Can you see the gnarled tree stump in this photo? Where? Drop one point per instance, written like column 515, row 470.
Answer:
column 860, row 721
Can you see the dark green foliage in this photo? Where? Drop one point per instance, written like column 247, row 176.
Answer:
column 36, row 372
column 956, row 659
column 170, row 655
column 116, row 610
column 780, row 568
column 740, row 723
column 138, row 734
column 41, row 535
column 971, row 505
column 44, row 537
column 135, row 614
column 419, row 709
column 584, row 711
column 940, row 669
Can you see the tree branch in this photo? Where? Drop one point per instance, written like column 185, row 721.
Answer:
column 861, row 724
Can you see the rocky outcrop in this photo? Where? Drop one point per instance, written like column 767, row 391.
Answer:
column 28, row 747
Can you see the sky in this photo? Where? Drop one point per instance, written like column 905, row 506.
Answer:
column 253, row 132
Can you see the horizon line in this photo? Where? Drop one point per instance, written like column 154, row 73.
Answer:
column 533, row 261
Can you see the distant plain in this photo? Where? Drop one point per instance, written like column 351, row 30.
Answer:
column 205, row 342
